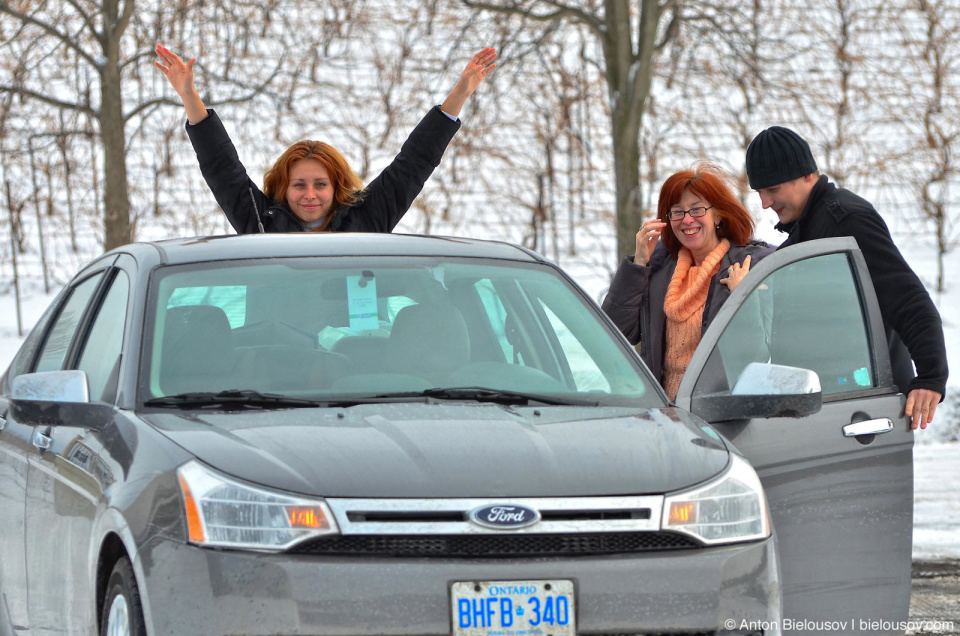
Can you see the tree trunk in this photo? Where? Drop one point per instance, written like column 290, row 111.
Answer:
column 627, row 174
column 942, row 246
column 13, row 258
column 628, row 70
column 116, row 196
column 628, row 74
column 116, row 199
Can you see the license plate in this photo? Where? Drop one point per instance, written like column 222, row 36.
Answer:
column 513, row 608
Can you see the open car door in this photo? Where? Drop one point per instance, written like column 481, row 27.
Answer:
column 838, row 476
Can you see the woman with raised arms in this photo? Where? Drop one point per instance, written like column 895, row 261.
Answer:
column 311, row 187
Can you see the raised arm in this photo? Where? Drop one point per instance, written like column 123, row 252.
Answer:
column 180, row 75
column 477, row 68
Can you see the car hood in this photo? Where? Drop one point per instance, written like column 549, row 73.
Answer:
column 454, row 450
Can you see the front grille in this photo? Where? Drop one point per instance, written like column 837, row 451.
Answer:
column 495, row 546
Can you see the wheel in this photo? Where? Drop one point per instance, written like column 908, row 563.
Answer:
column 122, row 615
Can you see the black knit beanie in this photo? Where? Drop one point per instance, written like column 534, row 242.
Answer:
column 778, row 155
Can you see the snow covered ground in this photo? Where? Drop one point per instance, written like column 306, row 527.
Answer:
column 936, row 496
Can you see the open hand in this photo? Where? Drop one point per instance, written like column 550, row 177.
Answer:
column 921, row 406
column 735, row 273
column 178, row 72
column 647, row 239
column 477, row 68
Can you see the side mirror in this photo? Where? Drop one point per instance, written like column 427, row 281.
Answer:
column 56, row 398
column 51, row 386
column 764, row 390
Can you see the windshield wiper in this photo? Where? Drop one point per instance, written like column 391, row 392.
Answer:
column 233, row 398
column 497, row 396
column 240, row 399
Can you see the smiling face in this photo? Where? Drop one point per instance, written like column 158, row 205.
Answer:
column 788, row 199
column 310, row 193
column 699, row 235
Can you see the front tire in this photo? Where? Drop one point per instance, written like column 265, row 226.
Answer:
column 122, row 614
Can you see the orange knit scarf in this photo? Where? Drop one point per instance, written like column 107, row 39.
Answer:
column 684, row 305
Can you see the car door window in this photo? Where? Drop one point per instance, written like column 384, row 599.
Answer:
column 24, row 358
column 808, row 314
column 101, row 352
column 58, row 341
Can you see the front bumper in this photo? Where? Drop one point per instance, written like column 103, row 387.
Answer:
column 191, row 590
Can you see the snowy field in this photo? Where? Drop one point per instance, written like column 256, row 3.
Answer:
column 936, row 496
column 937, row 463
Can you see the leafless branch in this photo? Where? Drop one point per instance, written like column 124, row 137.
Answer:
column 25, row 92
column 62, row 37
column 87, row 21
column 673, row 27
column 561, row 11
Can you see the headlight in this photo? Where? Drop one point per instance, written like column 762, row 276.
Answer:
column 225, row 513
column 730, row 509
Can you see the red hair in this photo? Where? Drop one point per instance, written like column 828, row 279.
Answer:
column 713, row 185
column 347, row 186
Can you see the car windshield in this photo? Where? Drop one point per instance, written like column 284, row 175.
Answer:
column 337, row 330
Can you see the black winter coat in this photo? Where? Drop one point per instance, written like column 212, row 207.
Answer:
column 909, row 315
column 385, row 200
column 637, row 293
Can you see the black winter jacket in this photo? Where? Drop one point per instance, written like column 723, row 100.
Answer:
column 909, row 315
column 385, row 200
column 637, row 293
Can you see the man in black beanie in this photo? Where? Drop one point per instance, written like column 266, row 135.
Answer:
column 782, row 170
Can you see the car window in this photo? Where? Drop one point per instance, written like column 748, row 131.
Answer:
column 101, row 352
column 25, row 356
column 808, row 314
column 319, row 328
column 58, row 341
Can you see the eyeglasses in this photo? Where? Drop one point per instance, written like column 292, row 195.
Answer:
column 695, row 212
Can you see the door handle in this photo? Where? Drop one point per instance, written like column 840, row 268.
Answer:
column 42, row 440
column 868, row 427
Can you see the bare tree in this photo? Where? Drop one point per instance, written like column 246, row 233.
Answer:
column 724, row 76
column 593, row 103
column 630, row 34
column 930, row 30
column 83, row 57
column 91, row 34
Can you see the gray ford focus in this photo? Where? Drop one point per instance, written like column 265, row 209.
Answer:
column 387, row 434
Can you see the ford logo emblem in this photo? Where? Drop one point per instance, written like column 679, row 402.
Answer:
column 504, row 516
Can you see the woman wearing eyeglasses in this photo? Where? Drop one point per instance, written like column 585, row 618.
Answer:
column 667, row 293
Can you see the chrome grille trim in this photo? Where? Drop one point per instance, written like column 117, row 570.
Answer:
column 574, row 515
